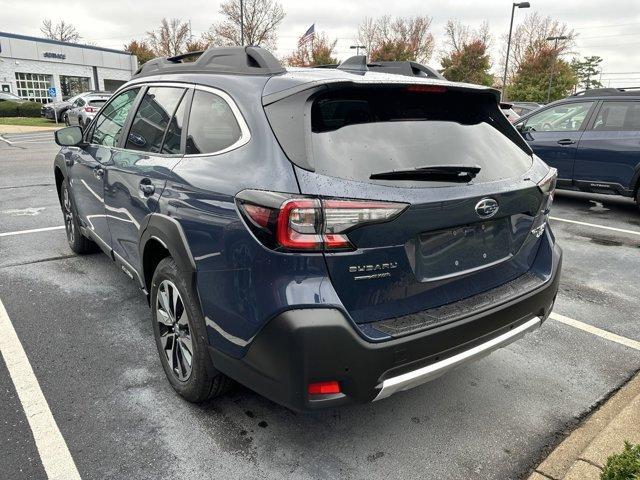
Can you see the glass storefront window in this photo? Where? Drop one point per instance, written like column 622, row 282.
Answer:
column 34, row 86
column 72, row 86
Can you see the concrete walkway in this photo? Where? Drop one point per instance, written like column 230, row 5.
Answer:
column 28, row 129
column 584, row 453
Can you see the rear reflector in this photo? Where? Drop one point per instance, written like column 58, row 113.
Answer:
column 324, row 388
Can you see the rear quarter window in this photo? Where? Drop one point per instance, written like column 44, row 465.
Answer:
column 212, row 125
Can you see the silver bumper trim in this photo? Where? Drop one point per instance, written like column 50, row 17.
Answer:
column 422, row 375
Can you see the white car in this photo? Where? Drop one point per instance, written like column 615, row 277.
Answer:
column 83, row 109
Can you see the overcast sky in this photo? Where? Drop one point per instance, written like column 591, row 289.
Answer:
column 609, row 28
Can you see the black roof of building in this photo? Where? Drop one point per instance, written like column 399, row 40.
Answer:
column 58, row 42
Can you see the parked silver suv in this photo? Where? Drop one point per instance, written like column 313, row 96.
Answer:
column 84, row 108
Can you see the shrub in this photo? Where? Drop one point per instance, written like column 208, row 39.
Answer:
column 623, row 466
column 15, row 109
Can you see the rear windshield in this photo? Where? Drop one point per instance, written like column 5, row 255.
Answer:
column 96, row 103
column 358, row 132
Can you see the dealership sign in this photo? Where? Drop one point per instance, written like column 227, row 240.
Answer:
column 59, row 56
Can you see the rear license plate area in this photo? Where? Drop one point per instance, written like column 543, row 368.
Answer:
column 463, row 249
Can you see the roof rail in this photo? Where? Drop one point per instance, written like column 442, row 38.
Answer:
column 603, row 92
column 231, row 60
column 407, row 68
column 357, row 63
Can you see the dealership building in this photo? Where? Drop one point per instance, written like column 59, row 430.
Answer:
column 29, row 66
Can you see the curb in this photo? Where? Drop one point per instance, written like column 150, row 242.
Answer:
column 583, row 454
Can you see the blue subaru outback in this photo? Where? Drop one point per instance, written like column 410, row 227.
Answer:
column 592, row 139
column 322, row 236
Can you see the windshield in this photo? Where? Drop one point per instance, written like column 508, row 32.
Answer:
column 357, row 133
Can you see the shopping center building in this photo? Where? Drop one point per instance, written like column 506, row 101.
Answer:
column 30, row 65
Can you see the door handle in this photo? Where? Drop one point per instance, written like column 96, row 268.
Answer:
column 146, row 187
column 566, row 141
column 98, row 173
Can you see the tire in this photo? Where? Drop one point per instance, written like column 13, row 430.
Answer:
column 638, row 197
column 76, row 240
column 179, row 333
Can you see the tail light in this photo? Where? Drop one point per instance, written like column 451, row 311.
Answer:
column 89, row 109
column 548, row 187
column 295, row 223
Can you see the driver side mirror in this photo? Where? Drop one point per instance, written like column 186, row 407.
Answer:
column 69, row 137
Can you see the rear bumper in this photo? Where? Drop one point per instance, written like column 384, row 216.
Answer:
column 304, row 346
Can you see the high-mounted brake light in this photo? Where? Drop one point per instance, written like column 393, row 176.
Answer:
column 426, row 89
column 310, row 224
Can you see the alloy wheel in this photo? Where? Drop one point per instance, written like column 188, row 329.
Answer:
column 175, row 334
column 68, row 215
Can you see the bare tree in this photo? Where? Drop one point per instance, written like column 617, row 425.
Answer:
column 368, row 33
column 399, row 38
column 62, row 31
column 531, row 36
column 261, row 19
column 457, row 35
column 170, row 38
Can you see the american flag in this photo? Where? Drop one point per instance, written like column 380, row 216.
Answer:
column 308, row 35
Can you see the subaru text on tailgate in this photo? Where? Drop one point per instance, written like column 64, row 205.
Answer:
column 322, row 236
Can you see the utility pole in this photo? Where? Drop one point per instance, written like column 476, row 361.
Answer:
column 241, row 23
column 506, row 61
column 553, row 62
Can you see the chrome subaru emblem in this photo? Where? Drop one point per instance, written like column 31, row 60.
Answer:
column 487, row 208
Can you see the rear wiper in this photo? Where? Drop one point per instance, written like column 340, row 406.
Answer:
column 435, row 173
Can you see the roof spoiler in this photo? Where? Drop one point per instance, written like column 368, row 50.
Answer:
column 231, row 60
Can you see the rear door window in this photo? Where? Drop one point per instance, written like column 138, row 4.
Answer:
column 150, row 123
column 616, row 116
column 212, row 125
column 561, row 118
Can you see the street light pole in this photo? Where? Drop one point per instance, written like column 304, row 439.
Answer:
column 358, row 47
column 553, row 62
column 506, row 61
column 241, row 23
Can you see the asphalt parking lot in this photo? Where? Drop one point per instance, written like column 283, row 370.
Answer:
column 87, row 335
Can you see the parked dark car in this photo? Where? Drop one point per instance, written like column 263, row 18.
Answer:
column 60, row 108
column 592, row 138
column 524, row 108
column 323, row 236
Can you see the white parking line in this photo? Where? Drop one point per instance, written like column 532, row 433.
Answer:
column 33, row 230
column 54, row 453
column 5, row 140
column 596, row 331
column 622, row 230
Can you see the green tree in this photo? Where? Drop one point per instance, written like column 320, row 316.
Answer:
column 587, row 71
column 465, row 58
column 531, row 80
column 319, row 53
column 140, row 49
column 387, row 39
